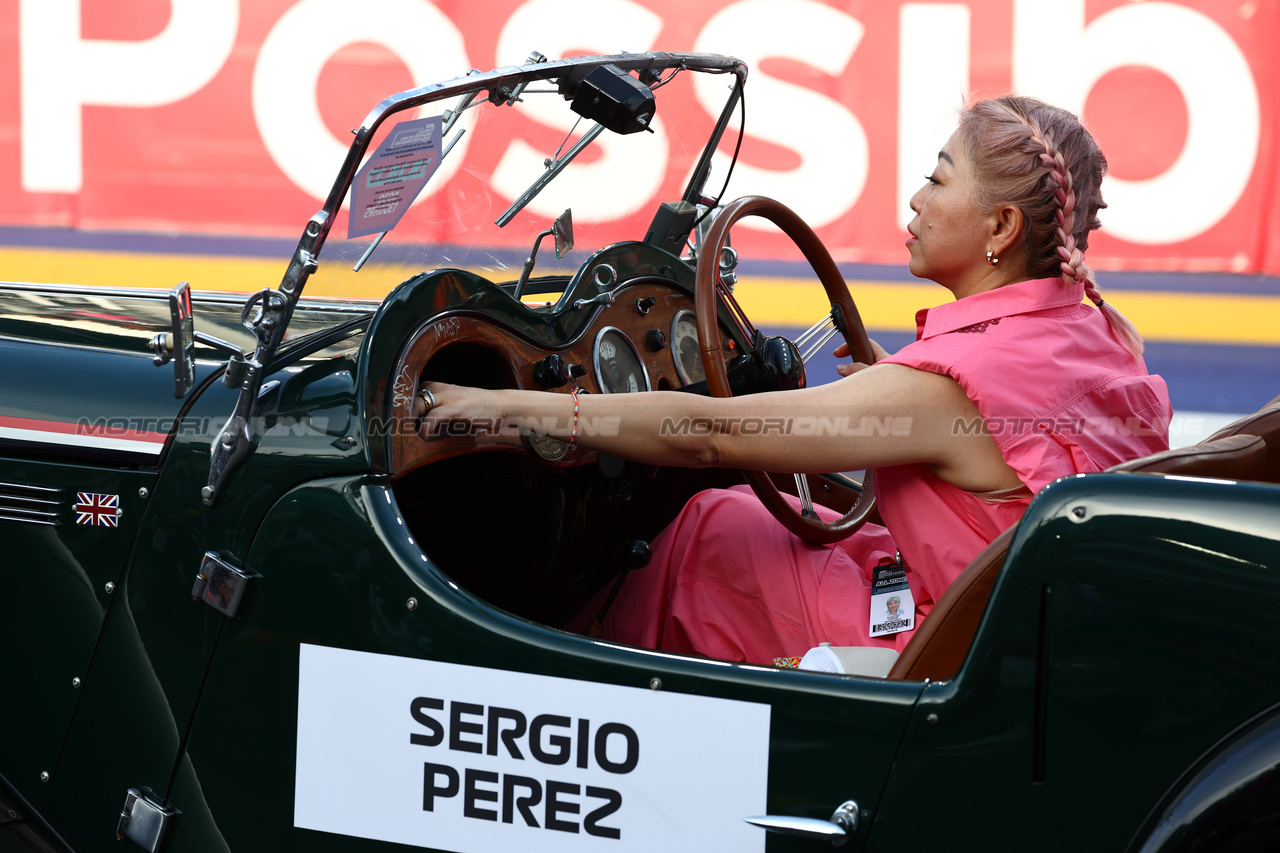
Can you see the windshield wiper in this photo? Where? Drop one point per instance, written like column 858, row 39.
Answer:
column 554, row 167
column 611, row 98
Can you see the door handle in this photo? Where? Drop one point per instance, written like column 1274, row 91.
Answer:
column 838, row 830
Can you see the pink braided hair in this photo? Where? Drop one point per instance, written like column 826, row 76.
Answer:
column 1002, row 132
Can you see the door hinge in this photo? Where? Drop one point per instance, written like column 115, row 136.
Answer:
column 221, row 585
column 144, row 821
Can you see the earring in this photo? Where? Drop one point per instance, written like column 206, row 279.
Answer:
column 991, row 258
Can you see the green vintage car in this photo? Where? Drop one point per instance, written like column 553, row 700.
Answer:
column 247, row 606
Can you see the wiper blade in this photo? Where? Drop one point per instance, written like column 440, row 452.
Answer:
column 554, row 167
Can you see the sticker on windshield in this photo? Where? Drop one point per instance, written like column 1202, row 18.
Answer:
column 394, row 175
column 469, row 759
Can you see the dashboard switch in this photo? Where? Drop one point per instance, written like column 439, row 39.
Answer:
column 656, row 339
column 552, row 372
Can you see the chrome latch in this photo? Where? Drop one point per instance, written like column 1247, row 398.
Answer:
column 144, row 821
column 221, row 585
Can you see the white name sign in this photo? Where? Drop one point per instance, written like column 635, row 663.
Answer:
column 472, row 760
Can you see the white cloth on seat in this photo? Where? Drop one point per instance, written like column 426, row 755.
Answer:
column 850, row 660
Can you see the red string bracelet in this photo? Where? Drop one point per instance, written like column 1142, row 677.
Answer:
column 573, row 435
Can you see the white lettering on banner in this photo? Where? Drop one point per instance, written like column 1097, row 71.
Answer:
column 933, row 67
column 469, row 759
column 287, row 73
column 829, row 139
column 61, row 72
column 632, row 166
column 1209, row 70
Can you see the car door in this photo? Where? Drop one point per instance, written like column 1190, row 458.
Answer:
column 367, row 697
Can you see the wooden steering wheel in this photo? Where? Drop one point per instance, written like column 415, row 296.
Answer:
column 844, row 317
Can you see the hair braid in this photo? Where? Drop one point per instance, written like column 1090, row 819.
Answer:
column 1003, row 133
column 1072, row 263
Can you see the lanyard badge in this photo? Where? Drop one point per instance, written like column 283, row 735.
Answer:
column 893, row 608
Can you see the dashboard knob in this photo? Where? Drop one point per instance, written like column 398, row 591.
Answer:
column 656, row 339
column 643, row 305
column 576, row 370
column 552, row 372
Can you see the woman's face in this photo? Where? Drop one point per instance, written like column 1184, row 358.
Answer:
column 948, row 237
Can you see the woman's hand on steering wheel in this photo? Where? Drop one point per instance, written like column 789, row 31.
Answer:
column 853, row 367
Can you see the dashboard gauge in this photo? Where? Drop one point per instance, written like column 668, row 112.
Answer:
column 619, row 369
column 684, row 348
column 548, row 448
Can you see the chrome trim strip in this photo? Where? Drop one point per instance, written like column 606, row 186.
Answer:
column 30, row 513
column 41, row 501
column 30, row 488
column 356, row 305
column 46, row 510
column 39, row 521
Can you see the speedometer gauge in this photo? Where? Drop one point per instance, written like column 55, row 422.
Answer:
column 684, row 348
column 619, row 369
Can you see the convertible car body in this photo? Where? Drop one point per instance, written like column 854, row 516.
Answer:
column 247, row 605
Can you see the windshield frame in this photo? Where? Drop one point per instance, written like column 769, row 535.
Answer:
column 499, row 85
column 271, row 310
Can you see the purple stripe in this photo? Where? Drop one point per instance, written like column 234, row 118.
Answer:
column 282, row 248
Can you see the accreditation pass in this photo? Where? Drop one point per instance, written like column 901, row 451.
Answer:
column 893, row 608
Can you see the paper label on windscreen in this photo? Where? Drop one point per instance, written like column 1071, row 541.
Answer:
column 392, row 178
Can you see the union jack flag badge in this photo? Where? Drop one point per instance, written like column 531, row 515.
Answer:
column 97, row 510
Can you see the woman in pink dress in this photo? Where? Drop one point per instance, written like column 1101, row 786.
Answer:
column 1015, row 383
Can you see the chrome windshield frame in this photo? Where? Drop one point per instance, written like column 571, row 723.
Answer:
column 274, row 308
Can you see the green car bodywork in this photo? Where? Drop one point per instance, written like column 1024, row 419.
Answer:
column 1105, row 665
column 1121, row 691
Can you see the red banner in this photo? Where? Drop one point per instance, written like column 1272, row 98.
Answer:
column 220, row 116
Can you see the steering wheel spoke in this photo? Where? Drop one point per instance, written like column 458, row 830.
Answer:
column 824, row 323
column 802, row 491
column 844, row 318
column 818, row 345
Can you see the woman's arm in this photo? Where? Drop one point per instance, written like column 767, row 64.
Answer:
column 881, row 415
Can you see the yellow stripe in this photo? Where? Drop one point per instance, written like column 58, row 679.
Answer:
column 1201, row 317
column 768, row 301
column 204, row 272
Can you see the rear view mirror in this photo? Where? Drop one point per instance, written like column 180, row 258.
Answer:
column 562, row 228
column 179, row 342
column 184, row 339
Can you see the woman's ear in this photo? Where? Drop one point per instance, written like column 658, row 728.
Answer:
column 1006, row 227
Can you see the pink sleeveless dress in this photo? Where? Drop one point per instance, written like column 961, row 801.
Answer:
column 1056, row 390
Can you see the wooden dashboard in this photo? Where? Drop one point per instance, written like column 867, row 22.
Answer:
column 645, row 339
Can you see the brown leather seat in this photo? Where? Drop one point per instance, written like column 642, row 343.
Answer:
column 941, row 643
column 1264, row 423
column 1228, row 457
